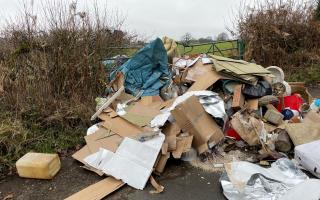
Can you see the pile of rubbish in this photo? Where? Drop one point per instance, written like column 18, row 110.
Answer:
column 161, row 105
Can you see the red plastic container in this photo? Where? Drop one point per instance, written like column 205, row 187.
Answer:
column 293, row 102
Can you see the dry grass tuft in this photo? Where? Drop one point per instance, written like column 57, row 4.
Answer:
column 50, row 74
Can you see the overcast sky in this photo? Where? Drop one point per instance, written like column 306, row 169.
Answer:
column 156, row 18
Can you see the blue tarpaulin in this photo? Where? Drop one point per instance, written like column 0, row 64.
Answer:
column 146, row 71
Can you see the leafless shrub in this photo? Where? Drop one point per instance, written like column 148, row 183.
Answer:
column 282, row 33
column 50, row 62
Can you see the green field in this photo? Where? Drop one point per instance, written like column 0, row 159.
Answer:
column 201, row 48
column 208, row 48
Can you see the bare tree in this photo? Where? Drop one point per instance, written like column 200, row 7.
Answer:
column 222, row 36
column 186, row 38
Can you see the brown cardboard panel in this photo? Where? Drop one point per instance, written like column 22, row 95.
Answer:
column 269, row 127
column 162, row 163
column 252, row 104
column 110, row 112
column 158, row 188
column 98, row 190
column 88, row 167
column 302, row 133
column 120, row 126
column 164, row 148
column 247, row 127
column 103, row 138
column 238, row 98
column 197, row 70
column 312, row 116
column 183, row 145
column 147, row 100
column 205, row 81
column 171, row 130
column 168, row 103
column 140, row 115
column 273, row 115
column 82, row 153
column 192, row 118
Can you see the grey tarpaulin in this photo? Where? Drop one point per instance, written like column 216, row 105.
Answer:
column 146, row 71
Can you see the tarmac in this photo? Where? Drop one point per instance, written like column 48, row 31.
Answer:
column 181, row 182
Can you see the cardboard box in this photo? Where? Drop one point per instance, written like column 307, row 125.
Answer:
column 183, row 145
column 238, row 98
column 192, row 118
column 299, row 87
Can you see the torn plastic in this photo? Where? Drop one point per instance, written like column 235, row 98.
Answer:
column 263, row 88
column 92, row 129
column 244, row 180
column 146, row 71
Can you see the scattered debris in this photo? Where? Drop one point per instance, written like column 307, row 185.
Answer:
column 215, row 113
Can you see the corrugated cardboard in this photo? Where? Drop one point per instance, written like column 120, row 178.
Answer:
column 183, row 145
column 312, row 116
column 299, row 87
column 103, row 138
column 274, row 116
column 81, row 154
column 120, row 126
column 198, row 70
column 158, row 188
column 192, row 118
column 238, row 98
column 164, row 148
column 252, row 104
column 302, row 133
column 247, row 127
column 171, row 130
column 205, row 81
column 147, row 100
column 98, row 190
column 162, row 163
column 140, row 115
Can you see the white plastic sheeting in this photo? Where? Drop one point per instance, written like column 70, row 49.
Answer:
column 132, row 162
